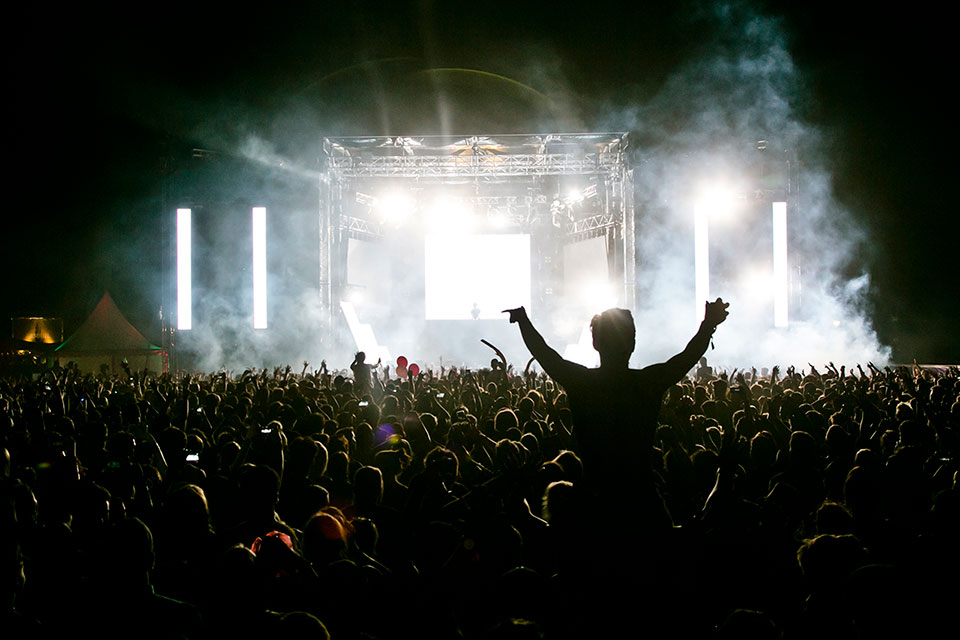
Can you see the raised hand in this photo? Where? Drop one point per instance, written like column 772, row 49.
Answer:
column 516, row 315
column 715, row 312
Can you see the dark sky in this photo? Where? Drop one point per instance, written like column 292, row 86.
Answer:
column 97, row 99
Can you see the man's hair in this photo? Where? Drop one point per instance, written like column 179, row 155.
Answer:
column 614, row 331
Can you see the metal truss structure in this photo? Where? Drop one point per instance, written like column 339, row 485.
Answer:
column 483, row 166
column 565, row 187
column 599, row 222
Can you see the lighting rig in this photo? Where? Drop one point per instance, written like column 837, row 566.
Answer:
column 558, row 188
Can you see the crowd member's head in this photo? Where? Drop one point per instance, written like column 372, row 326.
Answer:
column 504, row 420
column 558, row 501
column 128, row 555
column 367, row 487
column 259, row 486
column 827, row 560
column 571, row 464
column 187, row 506
column 300, row 624
column 443, row 463
column 324, row 540
column 614, row 334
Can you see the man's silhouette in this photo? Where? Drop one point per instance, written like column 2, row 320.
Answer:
column 615, row 408
column 362, row 374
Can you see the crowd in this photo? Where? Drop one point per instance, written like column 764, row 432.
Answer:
column 801, row 504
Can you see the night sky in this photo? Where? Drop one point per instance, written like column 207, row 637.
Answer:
column 100, row 101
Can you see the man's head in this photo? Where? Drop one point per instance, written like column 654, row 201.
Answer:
column 614, row 334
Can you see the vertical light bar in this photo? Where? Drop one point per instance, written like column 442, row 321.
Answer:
column 184, row 292
column 780, row 272
column 701, row 257
column 259, row 268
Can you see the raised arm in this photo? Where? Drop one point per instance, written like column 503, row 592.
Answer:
column 555, row 366
column 678, row 366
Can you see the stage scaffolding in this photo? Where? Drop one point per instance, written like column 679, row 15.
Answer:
column 559, row 188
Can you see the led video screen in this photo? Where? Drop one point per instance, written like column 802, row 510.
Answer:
column 475, row 277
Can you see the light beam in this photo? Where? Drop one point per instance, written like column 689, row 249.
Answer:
column 259, row 268
column 701, row 257
column 780, row 269
column 184, row 292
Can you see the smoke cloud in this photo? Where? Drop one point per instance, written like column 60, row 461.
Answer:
column 699, row 123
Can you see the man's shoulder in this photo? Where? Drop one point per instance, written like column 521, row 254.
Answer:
column 658, row 374
column 571, row 372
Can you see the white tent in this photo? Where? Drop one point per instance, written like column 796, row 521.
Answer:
column 105, row 338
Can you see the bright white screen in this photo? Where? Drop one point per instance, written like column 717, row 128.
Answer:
column 491, row 271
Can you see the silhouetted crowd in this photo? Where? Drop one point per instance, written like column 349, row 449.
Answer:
column 802, row 504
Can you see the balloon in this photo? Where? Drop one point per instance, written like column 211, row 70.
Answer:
column 401, row 372
column 414, row 369
column 402, row 361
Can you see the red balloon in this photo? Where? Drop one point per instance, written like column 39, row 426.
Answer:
column 402, row 361
column 401, row 372
column 414, row 369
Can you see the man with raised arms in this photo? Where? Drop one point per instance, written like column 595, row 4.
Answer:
column 615, row 408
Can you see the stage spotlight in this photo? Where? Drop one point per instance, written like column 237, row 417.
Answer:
column 184, row 290
column 574, row 195
column 259, row 268
column 718, row 201
column 395, row 208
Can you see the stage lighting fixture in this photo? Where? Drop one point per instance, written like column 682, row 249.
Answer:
column 718, row 201
column 184, row 293
column 366, row 200
column 574, row 194
column 780, row 266
column 259, row 268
